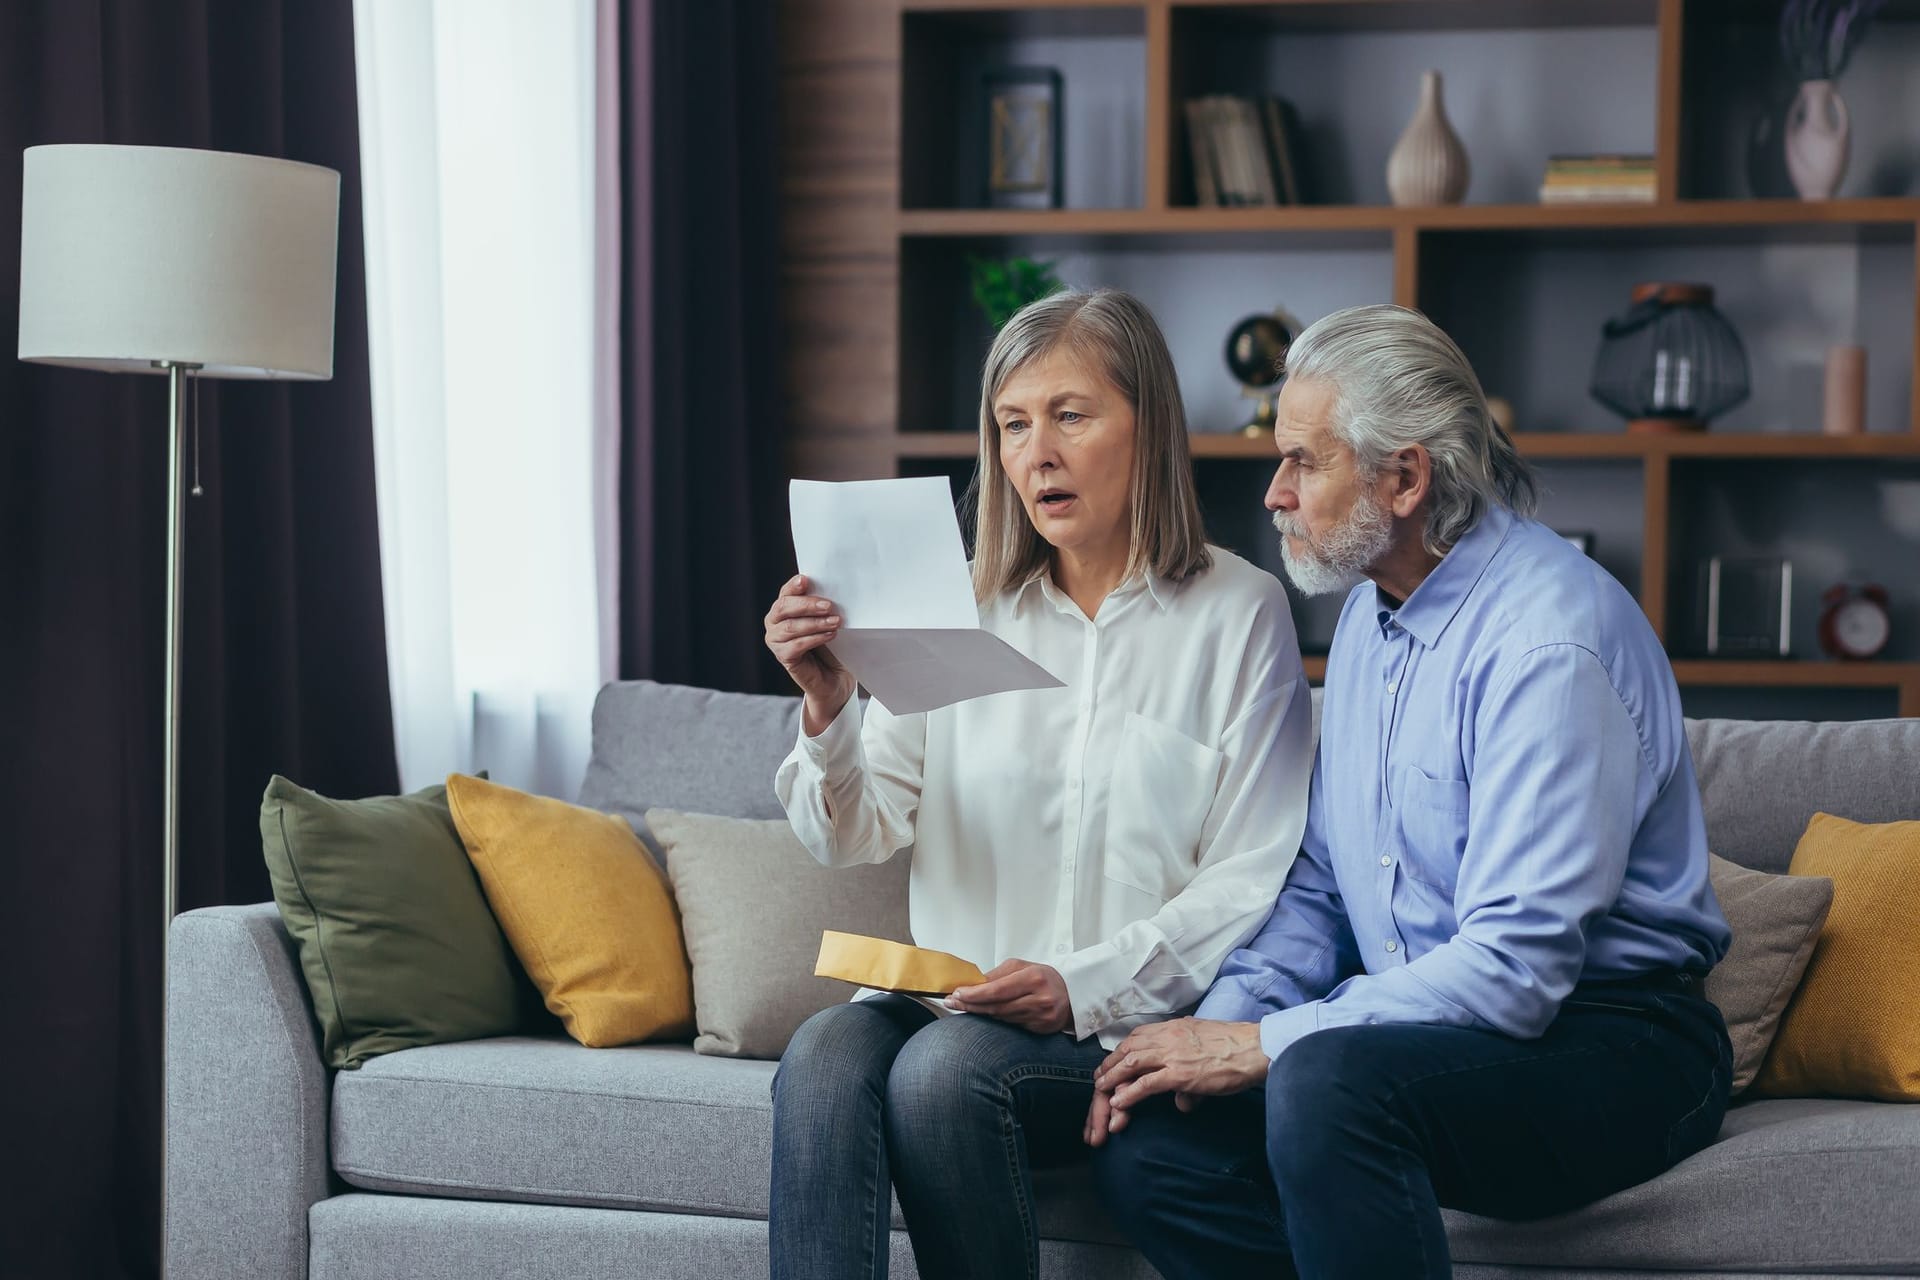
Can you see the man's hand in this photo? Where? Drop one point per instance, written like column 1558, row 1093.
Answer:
column 1031, row 996
column 1189, row 1057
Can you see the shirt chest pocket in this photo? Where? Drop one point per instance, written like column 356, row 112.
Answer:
column 1162, row 789
column 1432, row 819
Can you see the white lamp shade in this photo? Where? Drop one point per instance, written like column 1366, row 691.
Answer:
column 130, row 255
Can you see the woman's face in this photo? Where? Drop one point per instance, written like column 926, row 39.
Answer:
column 1066, row 443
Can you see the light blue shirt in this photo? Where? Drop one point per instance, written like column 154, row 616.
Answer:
column 1503, row 805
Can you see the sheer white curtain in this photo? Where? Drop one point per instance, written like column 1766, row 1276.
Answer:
column 479, row 151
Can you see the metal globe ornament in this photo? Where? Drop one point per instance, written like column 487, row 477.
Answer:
column 1256, row 356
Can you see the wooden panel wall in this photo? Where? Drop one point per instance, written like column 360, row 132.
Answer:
column 839, row 272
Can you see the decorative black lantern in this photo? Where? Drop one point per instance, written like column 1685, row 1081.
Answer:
column 1670, row 362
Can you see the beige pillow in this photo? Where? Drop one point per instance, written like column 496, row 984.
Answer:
column 753, row 904
column 1776, row 922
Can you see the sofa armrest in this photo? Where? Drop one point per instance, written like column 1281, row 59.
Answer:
column 246, row 1123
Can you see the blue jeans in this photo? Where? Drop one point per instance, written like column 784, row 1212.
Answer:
column 1340, row 1165
column 951, row 1112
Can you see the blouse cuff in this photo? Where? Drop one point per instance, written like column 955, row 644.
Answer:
column 836, row 752
column 1098, row 981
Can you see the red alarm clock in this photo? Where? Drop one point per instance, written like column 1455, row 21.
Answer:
column 1854, row 622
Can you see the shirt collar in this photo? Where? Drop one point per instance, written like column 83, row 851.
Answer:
column 1159, row 590
column 1436, row 600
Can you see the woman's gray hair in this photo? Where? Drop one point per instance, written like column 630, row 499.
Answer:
column 1114, row 337
column 1398, row 380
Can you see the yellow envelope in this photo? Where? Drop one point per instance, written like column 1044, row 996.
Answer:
column 892, row 966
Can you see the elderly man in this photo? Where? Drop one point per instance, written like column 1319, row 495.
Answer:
column 1480, row 986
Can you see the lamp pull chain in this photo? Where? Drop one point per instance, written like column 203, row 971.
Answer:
column 197, row 491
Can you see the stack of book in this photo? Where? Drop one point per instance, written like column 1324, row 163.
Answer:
column 1597, row 179
column 1244, row 152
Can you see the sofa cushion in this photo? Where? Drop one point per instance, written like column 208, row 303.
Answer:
column 1853, row 1029
column 694, row 750
column 396, row 942
column 587, row 911
column 1761, row 780
column 1775, row 921
column 753, row 904
column 1802, row 1186
column 640, row 1127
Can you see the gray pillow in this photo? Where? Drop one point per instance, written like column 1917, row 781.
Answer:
column 1776, row 921
column 753, row 904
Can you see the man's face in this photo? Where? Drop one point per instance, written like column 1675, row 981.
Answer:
column 1333, row 524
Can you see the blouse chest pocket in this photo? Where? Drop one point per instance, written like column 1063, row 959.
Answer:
column 1432, row 815
column 1162, row 789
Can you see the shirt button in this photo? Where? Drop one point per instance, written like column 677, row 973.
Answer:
column 1392, row 946
column 1393, row 687
column 1385, row 861
column 1059, row 948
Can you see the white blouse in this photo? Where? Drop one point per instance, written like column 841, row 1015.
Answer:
column 1130, row 829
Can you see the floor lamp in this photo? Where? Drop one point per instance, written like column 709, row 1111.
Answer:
column 189, row 263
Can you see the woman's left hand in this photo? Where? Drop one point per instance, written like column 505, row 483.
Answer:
column 1031, row 996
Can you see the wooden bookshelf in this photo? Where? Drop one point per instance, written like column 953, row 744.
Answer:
column 865, row 247
column 1882, row 216
column 1901, row 677
column 1534, row 445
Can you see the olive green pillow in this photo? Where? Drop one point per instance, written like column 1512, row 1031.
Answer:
column 396, row 940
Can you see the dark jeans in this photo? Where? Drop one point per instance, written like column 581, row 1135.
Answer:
column 1340, row 1165
column 953, row 1111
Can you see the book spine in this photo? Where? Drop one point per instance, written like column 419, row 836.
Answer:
column 1206, row 191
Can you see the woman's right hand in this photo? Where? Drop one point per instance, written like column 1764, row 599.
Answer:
column 799, row 627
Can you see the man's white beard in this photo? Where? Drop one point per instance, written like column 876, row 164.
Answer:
column 1337, row 560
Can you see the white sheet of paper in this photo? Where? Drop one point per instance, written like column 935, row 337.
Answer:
column 888, row 554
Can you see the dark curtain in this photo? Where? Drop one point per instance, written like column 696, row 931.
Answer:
column 285, row 656
column 703, row 510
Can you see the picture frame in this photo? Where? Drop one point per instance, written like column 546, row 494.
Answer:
column 1746, row 607
column 1021, row 121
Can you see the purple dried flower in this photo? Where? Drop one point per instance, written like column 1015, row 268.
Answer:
column 1818, row 37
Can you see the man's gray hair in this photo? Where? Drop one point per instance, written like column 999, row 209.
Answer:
column 1398, row 380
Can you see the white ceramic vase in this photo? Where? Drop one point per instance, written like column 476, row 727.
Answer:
column 1817, row 135
column 1428, row 164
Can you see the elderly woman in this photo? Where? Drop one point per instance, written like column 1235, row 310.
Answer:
column 1099, row 849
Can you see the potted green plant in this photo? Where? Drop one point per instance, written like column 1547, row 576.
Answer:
column 1002, row 286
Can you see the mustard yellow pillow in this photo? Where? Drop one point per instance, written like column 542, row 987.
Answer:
column 586, row 909
column 1853, row 1028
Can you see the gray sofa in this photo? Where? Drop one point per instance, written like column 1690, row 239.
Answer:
column 535, row 1157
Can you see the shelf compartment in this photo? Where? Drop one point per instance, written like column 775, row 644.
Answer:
column 1520, row 83
column 1737, row 88
column 1197, row 295
column 1424, row 15
column 1100, row 53
column 1836, row 520
column 1529, row 316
